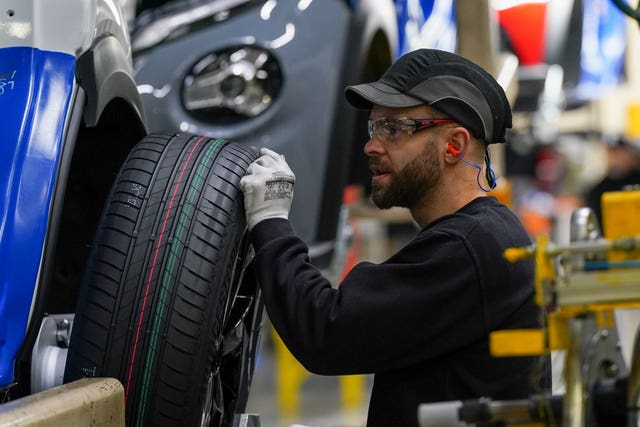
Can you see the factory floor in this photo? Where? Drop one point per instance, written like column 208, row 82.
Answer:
column 291, row 396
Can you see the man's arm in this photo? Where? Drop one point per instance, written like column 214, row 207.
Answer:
column 411, row 308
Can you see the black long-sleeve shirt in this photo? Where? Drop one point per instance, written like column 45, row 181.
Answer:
column 419, row 321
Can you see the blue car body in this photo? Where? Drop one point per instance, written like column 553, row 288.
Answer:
column 36, row 94
column 53, row 87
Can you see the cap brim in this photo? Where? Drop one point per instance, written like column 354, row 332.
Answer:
column 365, row 95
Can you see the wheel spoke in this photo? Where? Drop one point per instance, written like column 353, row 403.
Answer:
column 235, row 354
column 205, row 419
column 233, row 337
column 218, row 404
column 237, row 277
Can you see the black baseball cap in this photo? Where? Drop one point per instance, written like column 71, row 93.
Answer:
column 451, row 83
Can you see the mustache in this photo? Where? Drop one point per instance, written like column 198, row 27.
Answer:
column 377, row 164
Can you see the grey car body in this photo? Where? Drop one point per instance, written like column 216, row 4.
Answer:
column 317, row 47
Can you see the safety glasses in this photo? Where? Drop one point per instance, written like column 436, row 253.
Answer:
column 388, row 129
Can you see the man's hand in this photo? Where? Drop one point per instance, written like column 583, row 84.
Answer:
column 268, row 188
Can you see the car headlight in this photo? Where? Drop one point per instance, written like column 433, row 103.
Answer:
column 232, row 85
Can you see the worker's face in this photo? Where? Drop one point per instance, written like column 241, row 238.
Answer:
column 406, row 168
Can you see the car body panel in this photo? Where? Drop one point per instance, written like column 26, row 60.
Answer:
column 310, row 85
column 35, row 96
column 45, row 24
column 40, row 43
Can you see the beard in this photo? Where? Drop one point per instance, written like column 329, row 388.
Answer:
column 412, row 184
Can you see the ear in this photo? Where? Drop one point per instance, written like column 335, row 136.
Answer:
column 457, row 140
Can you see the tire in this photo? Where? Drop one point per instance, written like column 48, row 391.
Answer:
column 169, row 305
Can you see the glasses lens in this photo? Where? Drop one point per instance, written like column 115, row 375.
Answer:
column 385, row 129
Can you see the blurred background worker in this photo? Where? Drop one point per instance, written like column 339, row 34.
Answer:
column 623, row 172
column 420, row 320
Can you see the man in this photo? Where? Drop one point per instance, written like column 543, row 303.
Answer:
column 419, row 321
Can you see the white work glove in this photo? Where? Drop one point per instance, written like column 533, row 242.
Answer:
column 268, row 188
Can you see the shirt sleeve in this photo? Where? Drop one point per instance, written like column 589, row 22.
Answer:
column 423, row 302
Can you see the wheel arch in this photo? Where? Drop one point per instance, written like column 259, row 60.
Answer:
column 98, row 153
column 373, row 43
column 105, row 73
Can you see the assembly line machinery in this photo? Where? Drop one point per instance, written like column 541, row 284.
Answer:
column 580, row 288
